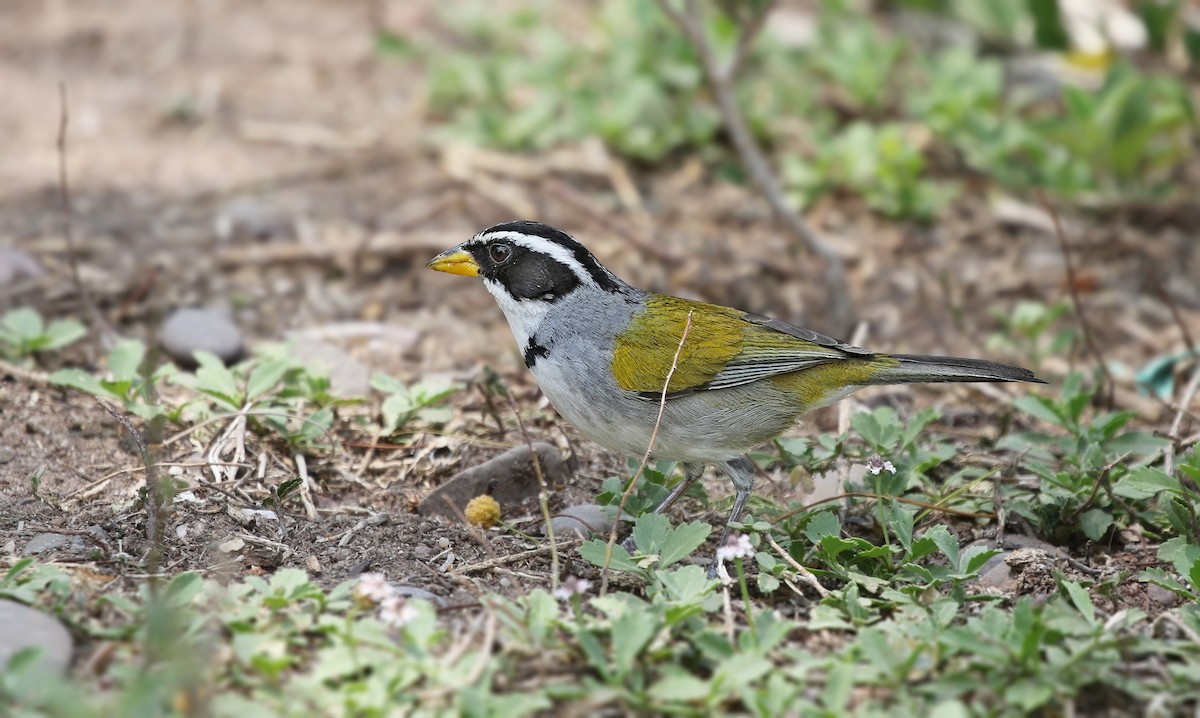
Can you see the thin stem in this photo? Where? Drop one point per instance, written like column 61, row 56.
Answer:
column 662, row 406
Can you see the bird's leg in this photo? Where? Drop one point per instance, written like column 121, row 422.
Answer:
column 741, row 470
column 691, row 472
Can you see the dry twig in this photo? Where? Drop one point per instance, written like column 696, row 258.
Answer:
column 516, row 557
column 155, row 490
column 1189, row 393
column 310, row 508
column 107, row 335
column 543, row 491
column 805, row 574
column 1073, row 286
column 662, row 406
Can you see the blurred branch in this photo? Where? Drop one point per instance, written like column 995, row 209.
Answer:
column 720, row 79
column 1073, row 285
column 108, row 336
column 753, row 16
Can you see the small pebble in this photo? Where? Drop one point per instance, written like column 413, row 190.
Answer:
column 417, row 592
column 41, row 543
column 190, row 330
column 247, row 219
column 443, row 542
column 67, row 545
column 1162, row 596
column 348, row 377
column 22, row 626
column 16, row 265
column 585, row 520
column 6, row 454
column 509, row 478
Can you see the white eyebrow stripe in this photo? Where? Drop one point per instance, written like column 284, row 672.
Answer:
column 544, row 246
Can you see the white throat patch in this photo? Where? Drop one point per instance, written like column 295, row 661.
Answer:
column 523, row 316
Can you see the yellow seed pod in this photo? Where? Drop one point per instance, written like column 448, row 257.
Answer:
column 483, row 511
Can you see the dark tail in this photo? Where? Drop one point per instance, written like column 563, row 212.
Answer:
column 915, row 369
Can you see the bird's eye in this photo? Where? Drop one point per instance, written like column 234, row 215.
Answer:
column 500, row 253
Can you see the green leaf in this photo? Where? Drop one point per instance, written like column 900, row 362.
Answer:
column 1039, row 407
column 686, row 584
column 184, row 588
column 62, row 333
column 593, row 652
column 21, row 325
column 838, row 686
column 125, row 359
column 595, row 550
column 974, row 558
column 1161, row 578
column 542, row 610
column 79, row 379
column 946, row 543
column 630, row 634
column 767, row 583
column 682, row 541
column 216, row 380
column 1145, row 482
column 680, row 688
column 289, row 581
column 1095, row 523
column 951, row 708
column 265, row 376
column 1181, row 554
column 650, row 533
column 313, row 428
column 397, row 410
column 1081, row 599
column 389, row 43
column 823, row 524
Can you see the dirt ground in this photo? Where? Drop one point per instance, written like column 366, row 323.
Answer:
column 279, row 119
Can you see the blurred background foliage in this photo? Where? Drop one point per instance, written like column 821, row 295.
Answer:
column 898, row 103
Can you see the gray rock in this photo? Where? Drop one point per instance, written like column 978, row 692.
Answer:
column 997, row 574
column 1162, row 596
column 22, row 627
column 16, row 265
column 585, row 520
column 67, row 545
column 509, row 478
column 41, row 543
column 6, row 454
column 417, row 592
column 190, row 330
column 247, row 219
column 348, row 377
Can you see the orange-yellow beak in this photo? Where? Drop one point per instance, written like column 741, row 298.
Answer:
column 455, row 261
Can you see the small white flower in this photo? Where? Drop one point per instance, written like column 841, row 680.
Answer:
column 736, row 546
column 374, row 587
column 396, row 611
column 572, row 586
column 876, row 464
